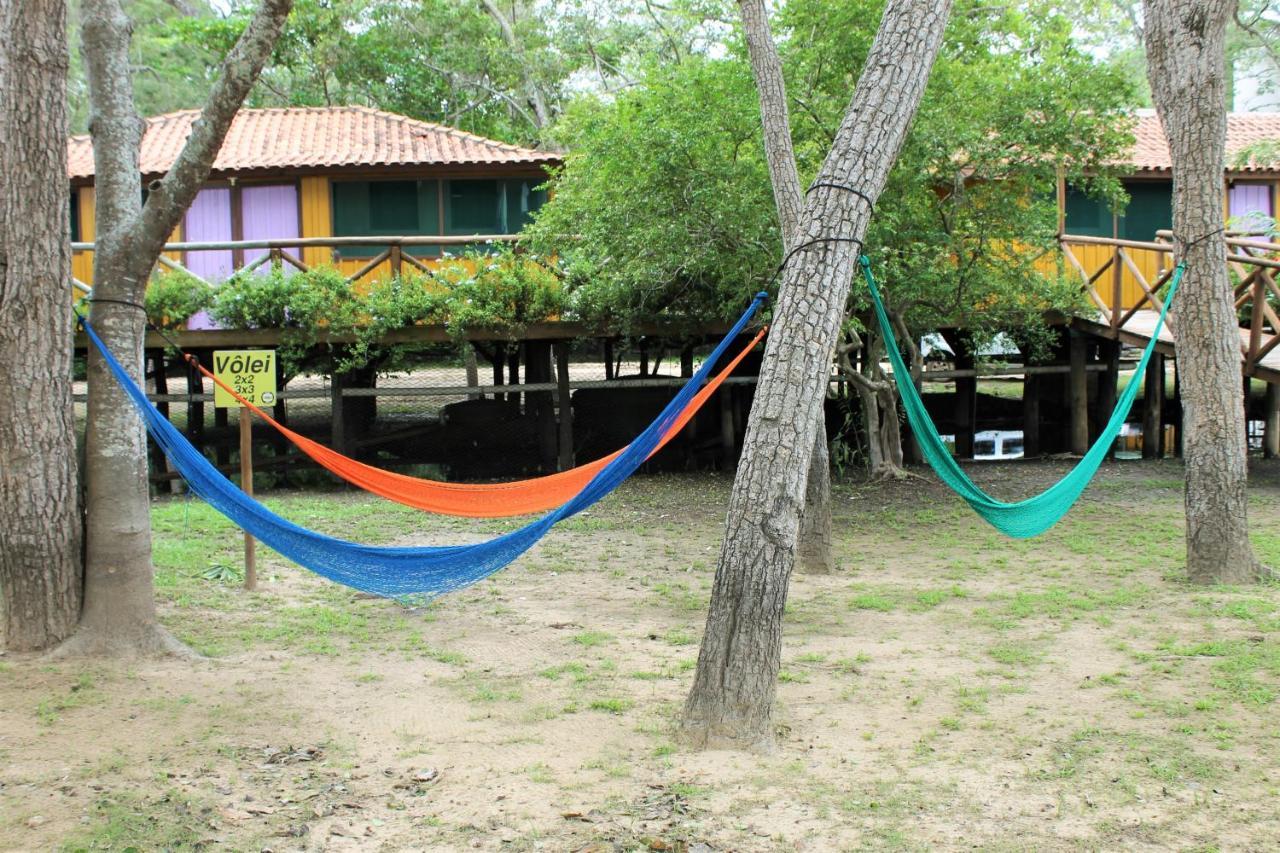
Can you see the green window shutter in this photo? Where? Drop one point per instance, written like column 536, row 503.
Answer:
column 474, row 207
column 1088, row 217
column 393, row 208
column 522, row 202
column 75, row 216
column 1150, row 210
column 350, row 208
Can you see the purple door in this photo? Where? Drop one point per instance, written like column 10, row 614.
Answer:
column 269, row 212
column 1249, row 205
column 209, row 220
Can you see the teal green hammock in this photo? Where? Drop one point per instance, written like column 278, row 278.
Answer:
column 1035, row 515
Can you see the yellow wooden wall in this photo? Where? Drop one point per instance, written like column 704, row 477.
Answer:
column 82, row 262
column 1092, row 258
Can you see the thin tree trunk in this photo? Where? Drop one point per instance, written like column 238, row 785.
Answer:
column 731, row 701
column 119, row 605
column 815, row 532
column 1186, row 59
column 39, row 499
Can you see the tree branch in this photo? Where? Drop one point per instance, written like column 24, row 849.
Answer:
column 779, row 150
column 172, row 195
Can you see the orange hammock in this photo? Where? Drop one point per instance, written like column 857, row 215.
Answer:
column 474, row 500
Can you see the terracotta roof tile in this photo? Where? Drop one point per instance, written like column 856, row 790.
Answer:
column 1151, row 152
column 315, row 138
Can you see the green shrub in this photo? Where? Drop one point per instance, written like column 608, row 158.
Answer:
column 254, row 301
column 174, row 296
column 503, row 290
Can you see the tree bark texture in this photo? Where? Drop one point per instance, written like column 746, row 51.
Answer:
column 815, row 550
column 1186, row 65
column 119, row 607
column 39, row 497
column 731, row 701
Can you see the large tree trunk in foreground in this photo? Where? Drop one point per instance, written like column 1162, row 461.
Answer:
column 815, row 533
column 39, row 503
column 119, row 605
column 1187, row 69
column 732, row 696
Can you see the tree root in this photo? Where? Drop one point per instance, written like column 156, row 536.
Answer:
column 151, row 641
column 892, row 473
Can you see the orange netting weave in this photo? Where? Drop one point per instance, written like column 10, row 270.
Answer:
column 475, row 500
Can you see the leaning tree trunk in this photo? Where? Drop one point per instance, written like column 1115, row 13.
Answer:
column 1186, row 66
column 39, row 504
column 815, row 550
column 119, row 604
column 731, row 700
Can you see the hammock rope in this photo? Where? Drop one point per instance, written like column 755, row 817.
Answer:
column 1037, row 514
column 389, row 570
column 474, row 500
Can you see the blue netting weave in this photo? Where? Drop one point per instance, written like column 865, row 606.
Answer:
column 396, row 571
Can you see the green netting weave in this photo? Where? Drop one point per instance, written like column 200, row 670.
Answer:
column 1034, row 515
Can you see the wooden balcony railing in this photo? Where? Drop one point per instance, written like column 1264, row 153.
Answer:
column 1139, row 271
column 392, row 251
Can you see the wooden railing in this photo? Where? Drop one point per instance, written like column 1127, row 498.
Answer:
column 393, row 254
column 1125, row 278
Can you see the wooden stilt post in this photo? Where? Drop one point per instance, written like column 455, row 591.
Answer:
column 1079, row 395
column 728, row 431
column 337, row 413
column 565, row 405
column 966, row 394
column 1108, row 383
column 1030, row 415
column 159, row 462
column 1271, row 433
column 539, row 404
column 1153, row 408
column 246, row 485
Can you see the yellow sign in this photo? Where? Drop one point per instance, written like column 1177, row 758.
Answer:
column 252, row 373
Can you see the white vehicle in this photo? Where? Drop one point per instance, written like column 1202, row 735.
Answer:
column 997, row 444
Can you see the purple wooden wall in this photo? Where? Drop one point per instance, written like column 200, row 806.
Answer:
column 1244, row 199
column 208, row 219
column 266, row 212
column 269, row 213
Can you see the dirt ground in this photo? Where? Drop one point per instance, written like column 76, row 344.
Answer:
column 947, row 689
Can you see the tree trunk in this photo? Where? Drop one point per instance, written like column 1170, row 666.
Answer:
column 1185, row 42
column 731, row 701
column 119, row 606
column 39, row 501
column 766, row 67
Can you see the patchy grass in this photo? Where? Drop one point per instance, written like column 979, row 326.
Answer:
column 1065, row 692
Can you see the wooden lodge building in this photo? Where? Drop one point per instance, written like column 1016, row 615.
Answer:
column 320, row 172
column 331, row 176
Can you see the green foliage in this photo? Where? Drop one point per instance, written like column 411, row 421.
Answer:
column 255, row 300
column 664, row 205
column 174, row 296
column 503, row 290
column 328, row 324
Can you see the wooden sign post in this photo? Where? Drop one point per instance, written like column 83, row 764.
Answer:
column 252, row 373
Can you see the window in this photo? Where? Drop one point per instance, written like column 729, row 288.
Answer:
column 396, row 208
column 1249, row 205
column 1088, row 217
column 1150, row 210
column 474, row 207
column 384, row 209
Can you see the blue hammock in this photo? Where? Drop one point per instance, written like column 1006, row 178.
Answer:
column 396, row 571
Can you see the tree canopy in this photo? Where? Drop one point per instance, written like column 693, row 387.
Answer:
column 664, row 205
